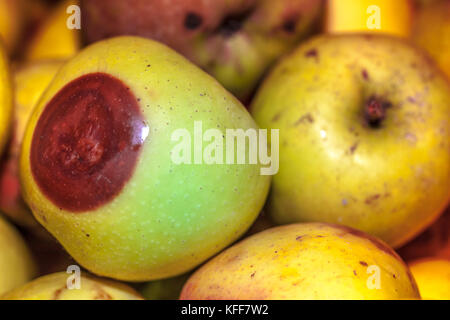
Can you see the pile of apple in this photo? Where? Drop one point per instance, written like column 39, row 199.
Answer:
column 87, row 177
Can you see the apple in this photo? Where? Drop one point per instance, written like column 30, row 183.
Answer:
column 364, row 126
column 98, row 171
column 235, row 41
column 433, row 277
column 16, row 263
column 166, row 289
column 56, row 287
column 53, row 39
column 304, row 261
column 30, row 81
column 435, row 241
column 385, row 16
column 12, row 22
column 6, row 99
column 431, row 31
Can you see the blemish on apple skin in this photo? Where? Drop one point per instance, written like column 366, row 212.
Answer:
column 354, row 147
column 365, row 74
column 305, row 118
column 363, row 263
column 253, row 274
column 299, row 238
column 193, row 21
column 344, row 202
column 313, row 53
column 276, row 117
column 411, row 138
column 371, row 199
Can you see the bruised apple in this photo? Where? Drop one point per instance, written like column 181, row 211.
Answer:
column 98, row 169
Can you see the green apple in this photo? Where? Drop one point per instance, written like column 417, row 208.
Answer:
column 364, row 135
column 304, row 261
column 167, row 289
column 234, row 40
column 98, row 171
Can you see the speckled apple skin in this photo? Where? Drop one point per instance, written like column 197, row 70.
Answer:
column 391, row 181
column 54, row 287
column 303, row 261
column 6, row 99
column 168, row 218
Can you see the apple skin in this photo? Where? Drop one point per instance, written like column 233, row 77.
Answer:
column 16, row 263
column 433, row 277
column 303, row 261
column 166, row 289
column 235, row 41
column 431, row 31
column 54, row 287
column 390, row 179
column 30, row 81
column 11, row 22
column 6, row 99
column 435, row 241
column 163, row 221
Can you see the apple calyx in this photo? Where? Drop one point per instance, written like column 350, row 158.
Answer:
column 87, row 140
column 375, row 111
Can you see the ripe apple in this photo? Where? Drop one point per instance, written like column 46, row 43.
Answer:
column 431, row 31
column 97, row 170
column 6, row 99
column 386, row 16
column 16, row 263
column 235, row 41
column 435, row 241
column 30, row 81
column 55, row 287
column 433, row 278
column 364, row 135
column 304, row 261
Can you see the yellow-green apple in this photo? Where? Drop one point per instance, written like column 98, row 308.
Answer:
column 364, row 135
column 99, row 163
column 431, row 31
column 304, row 261
column 63, row 286
column 235, row 41
column 6, row 98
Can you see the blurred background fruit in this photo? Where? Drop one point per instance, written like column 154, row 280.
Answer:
column 6, row 98
column 53, row 39
column 30, row 81
column 431, row 31
column 433, row 278
column 364, row 135
column 16, row 263
column 354, row 16
column 54, row 287
column 167, row 289
column 304, row 261
column 235, row 41
column 435, row 241
column 11, row 22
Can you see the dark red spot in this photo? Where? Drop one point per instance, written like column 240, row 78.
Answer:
column 299, row 238
column 375, row 111
column 363, row 263
column 193, row 21
column 86, row 142
column 312, row 54
column 305, row 118
column 253, row 274
column 290, row 25
column 365, row 74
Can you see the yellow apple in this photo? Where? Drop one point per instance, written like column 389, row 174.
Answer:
column 304, row 261
column 6, row 98
column 56, row 287
column 433, row 278
column 364, row 136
